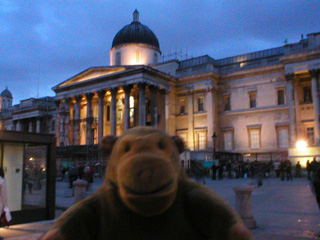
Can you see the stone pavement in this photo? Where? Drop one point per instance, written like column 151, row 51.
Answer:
column 283, row 210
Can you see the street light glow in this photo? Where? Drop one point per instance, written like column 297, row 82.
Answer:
column 301, row 145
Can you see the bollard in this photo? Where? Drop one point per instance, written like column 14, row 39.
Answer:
column 244, row 205
column 79, row 190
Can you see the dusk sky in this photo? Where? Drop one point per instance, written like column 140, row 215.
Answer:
column 45, row 42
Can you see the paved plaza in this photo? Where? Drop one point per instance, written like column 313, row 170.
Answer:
column 282, row 209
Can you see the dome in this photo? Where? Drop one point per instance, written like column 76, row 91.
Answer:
column 135, row 33
column 6, row 93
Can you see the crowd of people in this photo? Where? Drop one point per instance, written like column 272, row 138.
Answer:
column 240, row 169
column 71, row 173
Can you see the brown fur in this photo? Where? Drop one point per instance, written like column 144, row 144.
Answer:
column 146, row 195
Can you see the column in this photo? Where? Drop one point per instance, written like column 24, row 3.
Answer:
column 89, row 133
column 127, row 91
column 101, row 94
column 136, row 109
column 167, row 119
column 19, row 126
column 142, row 104
column 30, row 125
column 38, row 127
column 315, row 99
column 154, row 110
column 292, row 125
column 67, row 123
column 190, row 100
column 211, row 115
column 113, row 122
column 299, row 132
column 76, row 117
column 57, row 123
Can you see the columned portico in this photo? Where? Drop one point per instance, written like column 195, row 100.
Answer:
column 292, row 125
column 112, row 120
column 315, row 99
column 101, row 95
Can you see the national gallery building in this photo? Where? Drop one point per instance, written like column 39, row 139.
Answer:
column 257, row 105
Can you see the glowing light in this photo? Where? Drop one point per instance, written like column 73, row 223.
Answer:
column 31, row 159
column 301, row 145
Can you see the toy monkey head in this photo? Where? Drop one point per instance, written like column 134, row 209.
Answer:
column 145, row 167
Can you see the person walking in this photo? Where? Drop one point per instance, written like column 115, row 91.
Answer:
column 288, row 170
column 308, row 170
column 220, row 171
column 214, row 169
column 282, row 169
column 316, row 185
column 298, row 170
column 4, row 207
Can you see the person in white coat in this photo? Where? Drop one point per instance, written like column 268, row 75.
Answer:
column 4, row 207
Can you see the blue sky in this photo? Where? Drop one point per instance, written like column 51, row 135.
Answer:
column 44, row 42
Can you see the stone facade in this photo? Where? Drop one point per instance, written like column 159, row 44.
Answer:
column 31, row 115
column 259, row 104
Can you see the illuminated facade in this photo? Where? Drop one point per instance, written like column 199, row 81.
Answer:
column 259, row 104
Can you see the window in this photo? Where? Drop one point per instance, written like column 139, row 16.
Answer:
column 182, row 106
column 184, row 138
column 202, row 140
column 227, row 103
column 200, row 104
column 254, row 138
column 310, row 135
column 228, row 140
column 307, row 96
column 131, row 104
column 252, row 97
column 137, row 56
column 119, row 110
column 280, row 94
column 283, row 137
column 118, row 58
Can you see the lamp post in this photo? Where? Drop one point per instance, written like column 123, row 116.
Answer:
column 214, row 137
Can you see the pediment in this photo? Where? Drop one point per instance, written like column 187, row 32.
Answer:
column 91, row 73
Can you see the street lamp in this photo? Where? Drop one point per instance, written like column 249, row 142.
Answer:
column 214, row 137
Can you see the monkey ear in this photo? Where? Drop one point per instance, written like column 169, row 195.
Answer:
column 107, row 144
column 179, row 143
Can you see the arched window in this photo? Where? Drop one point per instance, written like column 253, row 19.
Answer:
column 118, row 58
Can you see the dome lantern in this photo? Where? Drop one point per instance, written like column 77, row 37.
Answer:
column 136, row 16
column 135, row 44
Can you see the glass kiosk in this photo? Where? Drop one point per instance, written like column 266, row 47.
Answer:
column 28, row 161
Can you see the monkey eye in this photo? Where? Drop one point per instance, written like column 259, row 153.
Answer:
column 161, row 145
column 127, row 148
